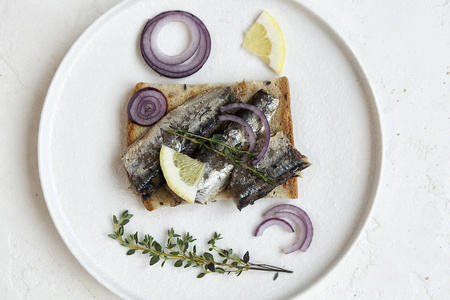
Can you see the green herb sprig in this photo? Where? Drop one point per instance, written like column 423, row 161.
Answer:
column 178, row 249
column 234, row 154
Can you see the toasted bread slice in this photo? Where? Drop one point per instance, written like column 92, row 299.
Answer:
column 178, row 94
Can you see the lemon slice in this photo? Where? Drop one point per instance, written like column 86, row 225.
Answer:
column 266, row 40
column 182, row 173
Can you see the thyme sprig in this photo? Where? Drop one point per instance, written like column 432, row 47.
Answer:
column 235, row 155
column 178, row 249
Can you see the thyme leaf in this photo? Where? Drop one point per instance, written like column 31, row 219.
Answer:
column 178, row 249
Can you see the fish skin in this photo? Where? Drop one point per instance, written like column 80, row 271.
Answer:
column 200, row 116
column 218, row 170
column 281, row 162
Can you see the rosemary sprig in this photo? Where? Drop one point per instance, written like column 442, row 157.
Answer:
column 233, row 154
column 178, row 249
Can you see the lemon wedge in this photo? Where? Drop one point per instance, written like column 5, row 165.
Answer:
column 182, row 173
column 266, row 40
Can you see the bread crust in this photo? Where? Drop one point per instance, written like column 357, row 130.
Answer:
column 180, row 93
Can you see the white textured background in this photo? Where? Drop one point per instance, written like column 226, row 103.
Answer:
column 404, row 46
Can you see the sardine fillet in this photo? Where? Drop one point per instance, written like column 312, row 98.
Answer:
column 281, row 162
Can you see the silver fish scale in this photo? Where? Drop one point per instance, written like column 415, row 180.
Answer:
column 200, row 116
column 217, row 169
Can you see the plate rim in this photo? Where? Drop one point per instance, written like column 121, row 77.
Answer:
column 378, row 164
column 44, row 138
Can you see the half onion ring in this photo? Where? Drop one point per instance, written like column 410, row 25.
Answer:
column 300, row 213
column 301, row 228
column 190, row 60
column 147, row 106
column 263, row 119
column 270, row 222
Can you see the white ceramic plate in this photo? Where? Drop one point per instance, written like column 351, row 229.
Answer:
column 81, row 140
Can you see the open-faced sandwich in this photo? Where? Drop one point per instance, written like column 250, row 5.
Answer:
column 198, row 110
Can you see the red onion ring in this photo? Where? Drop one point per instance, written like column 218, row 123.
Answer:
column 180, row 70
column 299, row 212
column 188, row 52
column 147, row 106
column 247, row 127
column 263, row 119
column 298, row 245
column 270, row 222
column 190, row 60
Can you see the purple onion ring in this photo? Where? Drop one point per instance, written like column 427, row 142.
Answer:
column 263, row 119
column 188, row 52
column 147, row 106
column 301, row 214
column 188, row 62
column 180, row 70
column 298, row 245
column 270, row 222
